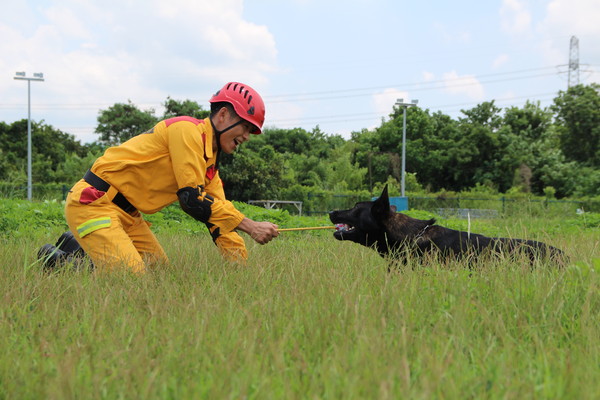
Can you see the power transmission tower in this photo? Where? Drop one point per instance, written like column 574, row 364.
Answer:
column 574, row 62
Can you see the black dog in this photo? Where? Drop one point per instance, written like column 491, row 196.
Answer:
column 377, row 225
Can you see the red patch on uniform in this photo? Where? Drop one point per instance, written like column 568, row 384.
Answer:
column 188, row 119
column 211, row 172
column 90, row 194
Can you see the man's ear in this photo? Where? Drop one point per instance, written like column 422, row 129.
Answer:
column 223, row 113
column 221, row 118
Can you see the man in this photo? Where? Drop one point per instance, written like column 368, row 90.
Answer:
column 177, row 160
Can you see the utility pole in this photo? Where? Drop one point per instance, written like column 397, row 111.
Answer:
column 39, row 77
column 401, row 103
column 573, row 62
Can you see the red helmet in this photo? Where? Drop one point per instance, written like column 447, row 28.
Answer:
column 246, row 102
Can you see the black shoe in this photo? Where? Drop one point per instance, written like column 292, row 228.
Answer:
column 50, row 256
column 67, row 243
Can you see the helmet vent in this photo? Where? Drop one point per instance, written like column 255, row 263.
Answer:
column 250, row 99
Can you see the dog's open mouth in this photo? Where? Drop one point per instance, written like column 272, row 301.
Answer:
column 344, row 231
column 343, row 228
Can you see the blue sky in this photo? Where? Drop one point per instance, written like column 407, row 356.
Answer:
column 337, row 64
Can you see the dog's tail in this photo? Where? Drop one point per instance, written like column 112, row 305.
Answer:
column 533, row 249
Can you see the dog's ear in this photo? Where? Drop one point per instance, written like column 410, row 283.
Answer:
column 381, row 206
column 384, row 192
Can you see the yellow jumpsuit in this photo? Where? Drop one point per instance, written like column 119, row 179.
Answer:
column 148, row 170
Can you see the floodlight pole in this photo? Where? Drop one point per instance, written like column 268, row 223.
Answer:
column 401, row 103
column 38, row 76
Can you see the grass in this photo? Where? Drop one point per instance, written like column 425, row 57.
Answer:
column 309, row 317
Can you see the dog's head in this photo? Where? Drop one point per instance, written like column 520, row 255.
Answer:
column 364, row 223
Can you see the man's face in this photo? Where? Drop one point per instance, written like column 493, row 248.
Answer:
column 237, row 135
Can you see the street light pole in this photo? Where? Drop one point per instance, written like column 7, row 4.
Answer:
column 401, row 103
column 37, row 76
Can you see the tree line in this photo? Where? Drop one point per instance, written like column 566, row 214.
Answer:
column 552, row 151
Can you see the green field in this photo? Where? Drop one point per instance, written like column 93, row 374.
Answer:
column 308, row 318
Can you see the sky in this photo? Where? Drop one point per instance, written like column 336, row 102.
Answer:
column 339, row 65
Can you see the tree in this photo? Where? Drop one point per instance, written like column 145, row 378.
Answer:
column 121, row 122
column 344, row 174
column 578, row 116
column 253, row 175
column 484, row 114
column 293, row 141
column 50, row 147
column 365, row 154
column 176, row 108
column 531, row 146
column 479, row 148
column 439, row 143
column 74, row 166
column 530, row 122
column 299, row 141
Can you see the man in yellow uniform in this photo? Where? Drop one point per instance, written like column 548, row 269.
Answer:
column 177, row 160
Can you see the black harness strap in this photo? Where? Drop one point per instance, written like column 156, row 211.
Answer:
column 103, row 186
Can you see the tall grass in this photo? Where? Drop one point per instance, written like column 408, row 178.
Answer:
column 309, row 317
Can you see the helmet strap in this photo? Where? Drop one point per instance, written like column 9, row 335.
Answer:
column 218, row 134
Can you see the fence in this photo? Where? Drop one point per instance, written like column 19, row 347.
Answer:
column 270, row 204
column 461, row 206
column 39, row 191
column 319, row 204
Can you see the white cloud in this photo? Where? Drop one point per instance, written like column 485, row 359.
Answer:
column 566, row 18
column 383, row 102
column 284, row 115
column 573, row 17
column 451, row 36
column 468, row 85
column 515, row 18
column 500, row 61
column 428, row 76
column 203, row 42
column 104, row 52
column 67, row 23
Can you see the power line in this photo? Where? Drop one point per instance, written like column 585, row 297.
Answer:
column 367, row 116
column 426, row 87
column 406, row 84
column 372, row 115
column 450, row 83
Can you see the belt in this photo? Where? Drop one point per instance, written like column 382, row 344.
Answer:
column 103, row 186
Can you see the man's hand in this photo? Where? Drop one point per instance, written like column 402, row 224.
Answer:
column 261, row 232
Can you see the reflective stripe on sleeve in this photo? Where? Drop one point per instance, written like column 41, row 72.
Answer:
column 92, row 225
